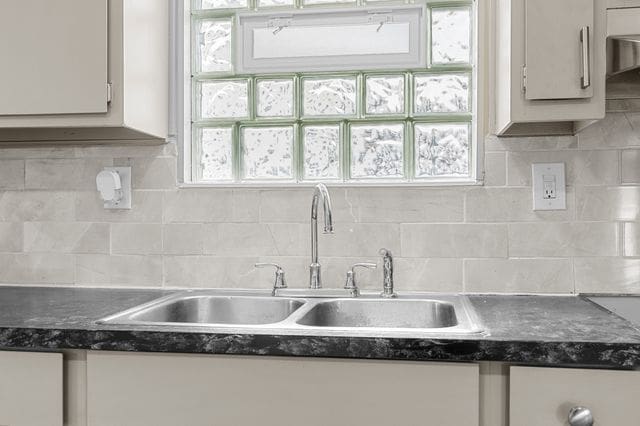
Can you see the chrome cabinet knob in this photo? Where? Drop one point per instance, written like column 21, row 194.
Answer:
column 279, row 279
column 580, row 416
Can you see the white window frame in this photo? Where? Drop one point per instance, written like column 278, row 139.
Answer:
column 181, row 106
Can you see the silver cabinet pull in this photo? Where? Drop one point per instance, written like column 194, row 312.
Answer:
column 580, row 416
column 585, row 41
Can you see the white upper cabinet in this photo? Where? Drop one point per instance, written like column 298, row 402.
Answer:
column 550, row 65
column 83, row 70
column 558, row 49
column 36, row 77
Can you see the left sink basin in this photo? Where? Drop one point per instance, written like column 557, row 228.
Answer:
column 209, row 309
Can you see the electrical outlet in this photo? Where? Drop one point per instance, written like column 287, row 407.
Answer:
column 549, row 192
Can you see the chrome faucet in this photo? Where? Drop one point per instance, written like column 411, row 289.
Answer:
column 319, row 193
column 387, row 273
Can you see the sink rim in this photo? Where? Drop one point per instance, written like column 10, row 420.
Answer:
column 469, row 324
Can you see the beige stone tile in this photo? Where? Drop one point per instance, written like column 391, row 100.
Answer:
column 582, row 167
column 66, row 237
column 93, row 269
column 495, row 169
column 20, row 206
column 632, row 239
column 37, row 268
column 630, row 166
column 125, row 151
column 11, row 174
column 136, row 271
column 212, row 272
column 356, row 239
column 44, row 152
column 151, row 173
column 61, row 174
column 129, row 238
column 608, row 203
column 432, row 275
column 511, row 205
column 10, row 237
column 183, row 239
column 607, row 275
column 146, row 207
column 454, row 241
column 563, row 239
column 206, row 205
column 518, row 276
column 538, row 143
column 253, row 239
column 615, row 130
column 291, row 205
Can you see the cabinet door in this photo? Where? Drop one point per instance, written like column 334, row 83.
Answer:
column 559, row 49
column 54, row 57
column 190, row 390
column 30, row 389
column 544, row 396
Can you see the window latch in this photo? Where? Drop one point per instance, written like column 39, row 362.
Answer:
column 279, row 23
column 380, row 19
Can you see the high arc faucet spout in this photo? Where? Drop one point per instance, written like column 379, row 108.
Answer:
column 320, row 194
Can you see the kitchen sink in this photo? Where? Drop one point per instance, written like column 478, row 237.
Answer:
column 211, row 309
column 243, row 311
column 387, row 313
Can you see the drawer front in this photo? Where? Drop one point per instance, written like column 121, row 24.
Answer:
column 544, row 396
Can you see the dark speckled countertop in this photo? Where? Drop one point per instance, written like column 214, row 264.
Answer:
column 536, row 330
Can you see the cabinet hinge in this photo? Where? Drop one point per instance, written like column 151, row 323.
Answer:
column 109, row 92
column 524, row 78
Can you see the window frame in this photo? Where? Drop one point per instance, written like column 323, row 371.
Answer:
column 180, row 126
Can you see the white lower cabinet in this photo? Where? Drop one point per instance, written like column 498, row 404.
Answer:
column 190, row 390
column 30, row 389
column 545, row 396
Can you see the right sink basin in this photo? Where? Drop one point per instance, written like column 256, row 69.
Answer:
column 393, row 313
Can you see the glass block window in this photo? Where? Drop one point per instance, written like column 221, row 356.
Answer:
column 369, row 124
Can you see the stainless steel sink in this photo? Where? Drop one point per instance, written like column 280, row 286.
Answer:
column 248, row 311
column 386, row 313
column 211, row 309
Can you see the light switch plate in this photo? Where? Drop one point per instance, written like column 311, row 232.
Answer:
column 549, row 189
column 125, row 179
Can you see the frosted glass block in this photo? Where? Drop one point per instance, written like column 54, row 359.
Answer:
column 451, row 35
column 222, row 4
column 442, row 150
column 275, row 98
column 308, row 2
column 329, row 97
column 267, row 152
column 377, row 150
column 321, row 152
column 385, row 95
column 275, row 3
column 216, row 153
column 214, row 45
column 224, row 99
column 441, row 93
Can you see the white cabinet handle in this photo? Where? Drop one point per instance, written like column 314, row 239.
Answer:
column 585, row 41
column 580, row 416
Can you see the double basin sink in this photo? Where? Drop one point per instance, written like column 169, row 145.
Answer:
column 251, row 310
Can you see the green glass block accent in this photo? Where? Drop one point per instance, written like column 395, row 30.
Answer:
column 384, row 95
column 222, row 4
column 377, row 151
column 267, row 152
column 275, row 98
column 335, row 96
column 213, row 40
column 275, row 3
column 441, row 93
column 216, row 153
column 224, row 99
column 441, row 150
column 451, row 35
column 321, row 152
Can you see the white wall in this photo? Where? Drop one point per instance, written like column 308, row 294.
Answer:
column 53, row 229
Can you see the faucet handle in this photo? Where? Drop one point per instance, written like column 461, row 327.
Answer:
column 279, row 280
column 350, row 283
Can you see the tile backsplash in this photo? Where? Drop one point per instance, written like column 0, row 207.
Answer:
column 53, row 229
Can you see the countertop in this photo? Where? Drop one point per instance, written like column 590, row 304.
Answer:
column 533, row 330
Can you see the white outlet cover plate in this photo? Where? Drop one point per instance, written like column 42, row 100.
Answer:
column 549, row 169
column 125, row 179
